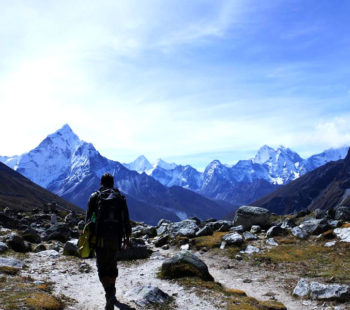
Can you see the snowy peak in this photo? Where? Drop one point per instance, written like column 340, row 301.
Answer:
column 160, row 163
column 62, row 138
column 140, row 164
column 265, row 154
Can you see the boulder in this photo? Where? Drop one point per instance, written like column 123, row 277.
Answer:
column 49, row 253
column 233, row 239
column 163, row 221
column 329, row 291
column 330, row 244
column 16, row 242
column 39, row 248
column 81, row 225
column 247, row 236
column 314, row 226
column 247, row 216
column 71, row 248
column 205, row 231
column 136, row 250
column 187, row 228
column 162, row 229
column 3, row 247
column 238, row 228
column 160, row 241
column 59, row 232
column 343, row 234
column 299, row 232
column 320, row 214
column 275, row 231
column 7, row 221
column 31, row 235
column 185, row 264
column 342, row 213
column 145, row 296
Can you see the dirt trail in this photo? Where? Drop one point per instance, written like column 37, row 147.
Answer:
column 86, row 289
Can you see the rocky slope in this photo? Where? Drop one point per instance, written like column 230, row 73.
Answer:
column 19, row 193
column 326, row 187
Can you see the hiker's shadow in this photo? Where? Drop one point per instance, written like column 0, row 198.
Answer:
column 122, row 306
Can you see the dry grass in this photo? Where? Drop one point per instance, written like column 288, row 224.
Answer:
column 9, row 270
column 209, row 242
column 346, row 225
column 42, row 300
column 312, row 259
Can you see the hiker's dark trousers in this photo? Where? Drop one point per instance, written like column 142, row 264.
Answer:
column 106, row 261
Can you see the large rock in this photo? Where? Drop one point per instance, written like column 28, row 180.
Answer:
column 31, row 235
column 7, row 221
column 288, row 224
column 185, row 264
column 249, row 215
column 187, row 228
column 59, row 232
column 321, row 291
column 145, row 296
column 140, row 230
column 314, row 226
column 16, row 242
column 71, row 248
column 205, row 231
column 233, row 239
column 161, row 240
column 299, row 232
column 136, row 250
column 342, row 213
column 248, row 236
column 343, row 234
column 329, row 291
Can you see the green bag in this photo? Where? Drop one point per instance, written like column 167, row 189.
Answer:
column 87, row 241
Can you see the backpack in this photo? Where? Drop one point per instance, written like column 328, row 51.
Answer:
column 110, row 215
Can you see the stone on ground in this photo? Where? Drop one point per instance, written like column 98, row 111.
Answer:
column 343, row 234
column 148, row 296
column 233, row 239
column 185, row 264
column 247, row 216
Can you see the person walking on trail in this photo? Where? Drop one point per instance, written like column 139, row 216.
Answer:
column 107, row 208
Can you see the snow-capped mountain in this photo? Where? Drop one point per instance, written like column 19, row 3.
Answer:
column 140, row 164
column 72, row 168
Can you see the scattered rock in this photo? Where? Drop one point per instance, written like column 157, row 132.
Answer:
column 163, row 228
column 222, row 245
column 329, row 291
column 238, row 228
column 31, row 235
column 255, row 229
column 342, row 213
column 160, row 241
column 233, row 239
column 343, row 234
column 136, row 250
column 302, row 289
column 187, row 228
column 59, row 232
column 288, row 224
column 49, row 253
column 84, row 268
column 251, row 249
column 238, row 257
column 165, row 247
column 333, row 223
column 3, row 247
column 320, row 214
column 10, row 265
column 185, row 247
column 147, row 295
column 81, row 225
column 71, row 248
column 272, row 242
column 16, row 242
column 185, row 264
column 249, row 215
column 249, row 236
column 275, row 231
column 330, row 244
column 314, row 226
column 39, row 248
column 7, row 221
column 299, row 232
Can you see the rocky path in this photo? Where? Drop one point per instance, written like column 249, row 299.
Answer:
column 87, row 291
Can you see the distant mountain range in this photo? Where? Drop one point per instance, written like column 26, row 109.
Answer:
column 71, row 168
column 19, row 193
column 325, row 187
column 243, row 182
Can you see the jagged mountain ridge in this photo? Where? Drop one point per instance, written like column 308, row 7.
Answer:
column 247, row 180
column 72, row 169
column 325, row 187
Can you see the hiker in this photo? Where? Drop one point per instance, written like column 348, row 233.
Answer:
column 108, row 209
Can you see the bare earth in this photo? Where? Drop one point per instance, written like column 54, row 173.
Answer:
column 88, row 294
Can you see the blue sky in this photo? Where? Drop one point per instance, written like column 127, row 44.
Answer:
column 187, row 81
